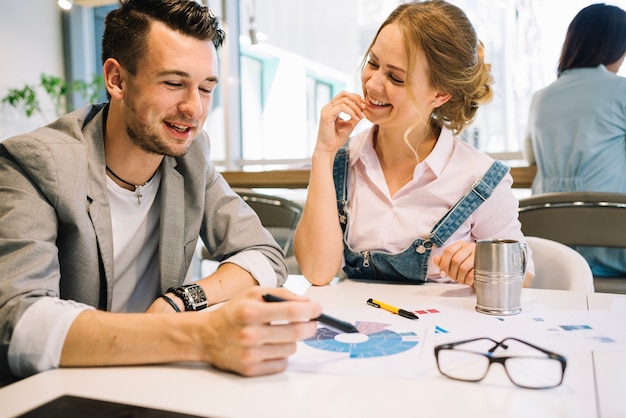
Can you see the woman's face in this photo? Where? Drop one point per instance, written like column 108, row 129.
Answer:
column 384, row 82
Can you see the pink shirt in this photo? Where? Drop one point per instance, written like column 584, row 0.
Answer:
column 382, row 222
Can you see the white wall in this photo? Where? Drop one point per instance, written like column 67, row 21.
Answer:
column 30, row 44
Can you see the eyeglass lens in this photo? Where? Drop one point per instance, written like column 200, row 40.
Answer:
column 529, row 372
column 534, row 372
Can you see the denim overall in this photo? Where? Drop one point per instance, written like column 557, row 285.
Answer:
column 410, row 265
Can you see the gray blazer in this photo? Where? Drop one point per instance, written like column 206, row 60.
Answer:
column 55, row 224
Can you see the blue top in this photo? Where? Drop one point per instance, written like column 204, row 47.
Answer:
column 577, row 130
column 577, row 137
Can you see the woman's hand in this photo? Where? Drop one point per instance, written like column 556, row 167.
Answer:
column 337, row 121
column 457, row 262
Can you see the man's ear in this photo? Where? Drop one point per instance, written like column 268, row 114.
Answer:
column 113, row 74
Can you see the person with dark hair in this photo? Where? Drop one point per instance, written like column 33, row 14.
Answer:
column 101, row 210
column 576, row 133
column 406, row 200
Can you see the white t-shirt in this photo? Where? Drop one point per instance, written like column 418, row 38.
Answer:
column 39, row 335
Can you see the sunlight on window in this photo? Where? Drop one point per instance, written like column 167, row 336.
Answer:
column 313, row 50
column 296, row 55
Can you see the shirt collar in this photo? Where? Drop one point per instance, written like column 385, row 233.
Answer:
column 363, row 150
column 441, row 153
column 600, row 67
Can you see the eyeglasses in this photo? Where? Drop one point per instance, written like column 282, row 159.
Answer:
column 468, row 361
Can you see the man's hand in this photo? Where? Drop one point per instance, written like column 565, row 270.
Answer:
column 252, row 337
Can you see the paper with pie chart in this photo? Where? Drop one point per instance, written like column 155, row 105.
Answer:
column 385, row 345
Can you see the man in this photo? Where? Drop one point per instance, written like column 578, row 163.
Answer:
column 100, row 213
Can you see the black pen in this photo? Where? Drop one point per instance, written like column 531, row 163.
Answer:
column 324, row 319
column 382, row 305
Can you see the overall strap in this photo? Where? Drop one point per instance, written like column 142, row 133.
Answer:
column 475, row 196
column 340, row 176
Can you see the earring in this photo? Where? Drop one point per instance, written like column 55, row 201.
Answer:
column 433, row 102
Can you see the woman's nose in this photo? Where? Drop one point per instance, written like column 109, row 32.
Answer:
column 374, row 81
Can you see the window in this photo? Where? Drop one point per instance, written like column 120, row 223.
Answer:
column 328, row 38
column 522, row 41
column 281, row 96
column 292, row 56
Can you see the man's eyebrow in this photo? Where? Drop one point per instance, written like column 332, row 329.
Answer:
column 393, row 67
column 212, row 79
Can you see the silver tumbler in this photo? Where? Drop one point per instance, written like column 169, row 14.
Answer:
column 499, row 270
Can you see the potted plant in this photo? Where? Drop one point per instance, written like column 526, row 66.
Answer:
column 27, row 97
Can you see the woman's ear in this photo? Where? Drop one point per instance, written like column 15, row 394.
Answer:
column 441, row 98
column 113, row 74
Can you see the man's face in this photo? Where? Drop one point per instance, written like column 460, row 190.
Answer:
column 165, row 104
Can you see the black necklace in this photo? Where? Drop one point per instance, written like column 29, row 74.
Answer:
column 137, row 187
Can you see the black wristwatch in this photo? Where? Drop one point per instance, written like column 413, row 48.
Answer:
column 192, row 296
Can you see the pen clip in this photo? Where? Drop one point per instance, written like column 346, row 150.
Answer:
column 371, row 303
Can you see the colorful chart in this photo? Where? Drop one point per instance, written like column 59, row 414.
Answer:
column 373, row 340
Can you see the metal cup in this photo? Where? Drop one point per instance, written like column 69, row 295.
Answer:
column 499, row 270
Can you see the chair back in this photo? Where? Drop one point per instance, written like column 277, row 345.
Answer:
column 278, row 215
column 559, row 267
column 595, row 219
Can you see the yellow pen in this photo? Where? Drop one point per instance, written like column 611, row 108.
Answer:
column 382, row 305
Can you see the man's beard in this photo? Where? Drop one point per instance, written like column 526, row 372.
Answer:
column 151, row 142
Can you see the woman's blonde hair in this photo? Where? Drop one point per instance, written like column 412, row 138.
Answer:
column 455, row 58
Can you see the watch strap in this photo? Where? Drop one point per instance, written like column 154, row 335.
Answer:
column 183, row 294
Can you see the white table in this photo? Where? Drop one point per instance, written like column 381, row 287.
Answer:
column 594, row 384
column 610, row 365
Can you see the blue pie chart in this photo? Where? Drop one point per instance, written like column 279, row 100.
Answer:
column 373, row 340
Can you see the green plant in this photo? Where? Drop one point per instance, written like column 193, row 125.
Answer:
column 27, row 99
column 56, row 89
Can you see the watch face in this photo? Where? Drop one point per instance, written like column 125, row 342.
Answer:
column 196, row 296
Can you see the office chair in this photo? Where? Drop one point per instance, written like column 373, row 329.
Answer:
column 279, row 216
column 558, row 266
column 594, row 219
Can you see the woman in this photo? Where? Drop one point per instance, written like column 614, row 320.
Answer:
column 577, row 125
column 395, row 187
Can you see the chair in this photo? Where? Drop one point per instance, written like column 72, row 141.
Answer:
column 558, row 266
column 279, row 216
column 593, row 219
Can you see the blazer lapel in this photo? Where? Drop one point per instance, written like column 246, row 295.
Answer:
column 172, row 234
column 98, row 204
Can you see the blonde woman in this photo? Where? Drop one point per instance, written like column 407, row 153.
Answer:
column 405, row 200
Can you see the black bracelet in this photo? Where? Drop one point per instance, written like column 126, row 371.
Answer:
column 180, row 294
column 171, row 302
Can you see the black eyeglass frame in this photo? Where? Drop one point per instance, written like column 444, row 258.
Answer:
column 501, row 359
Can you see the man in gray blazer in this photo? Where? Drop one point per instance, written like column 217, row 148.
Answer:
column 100, row 213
